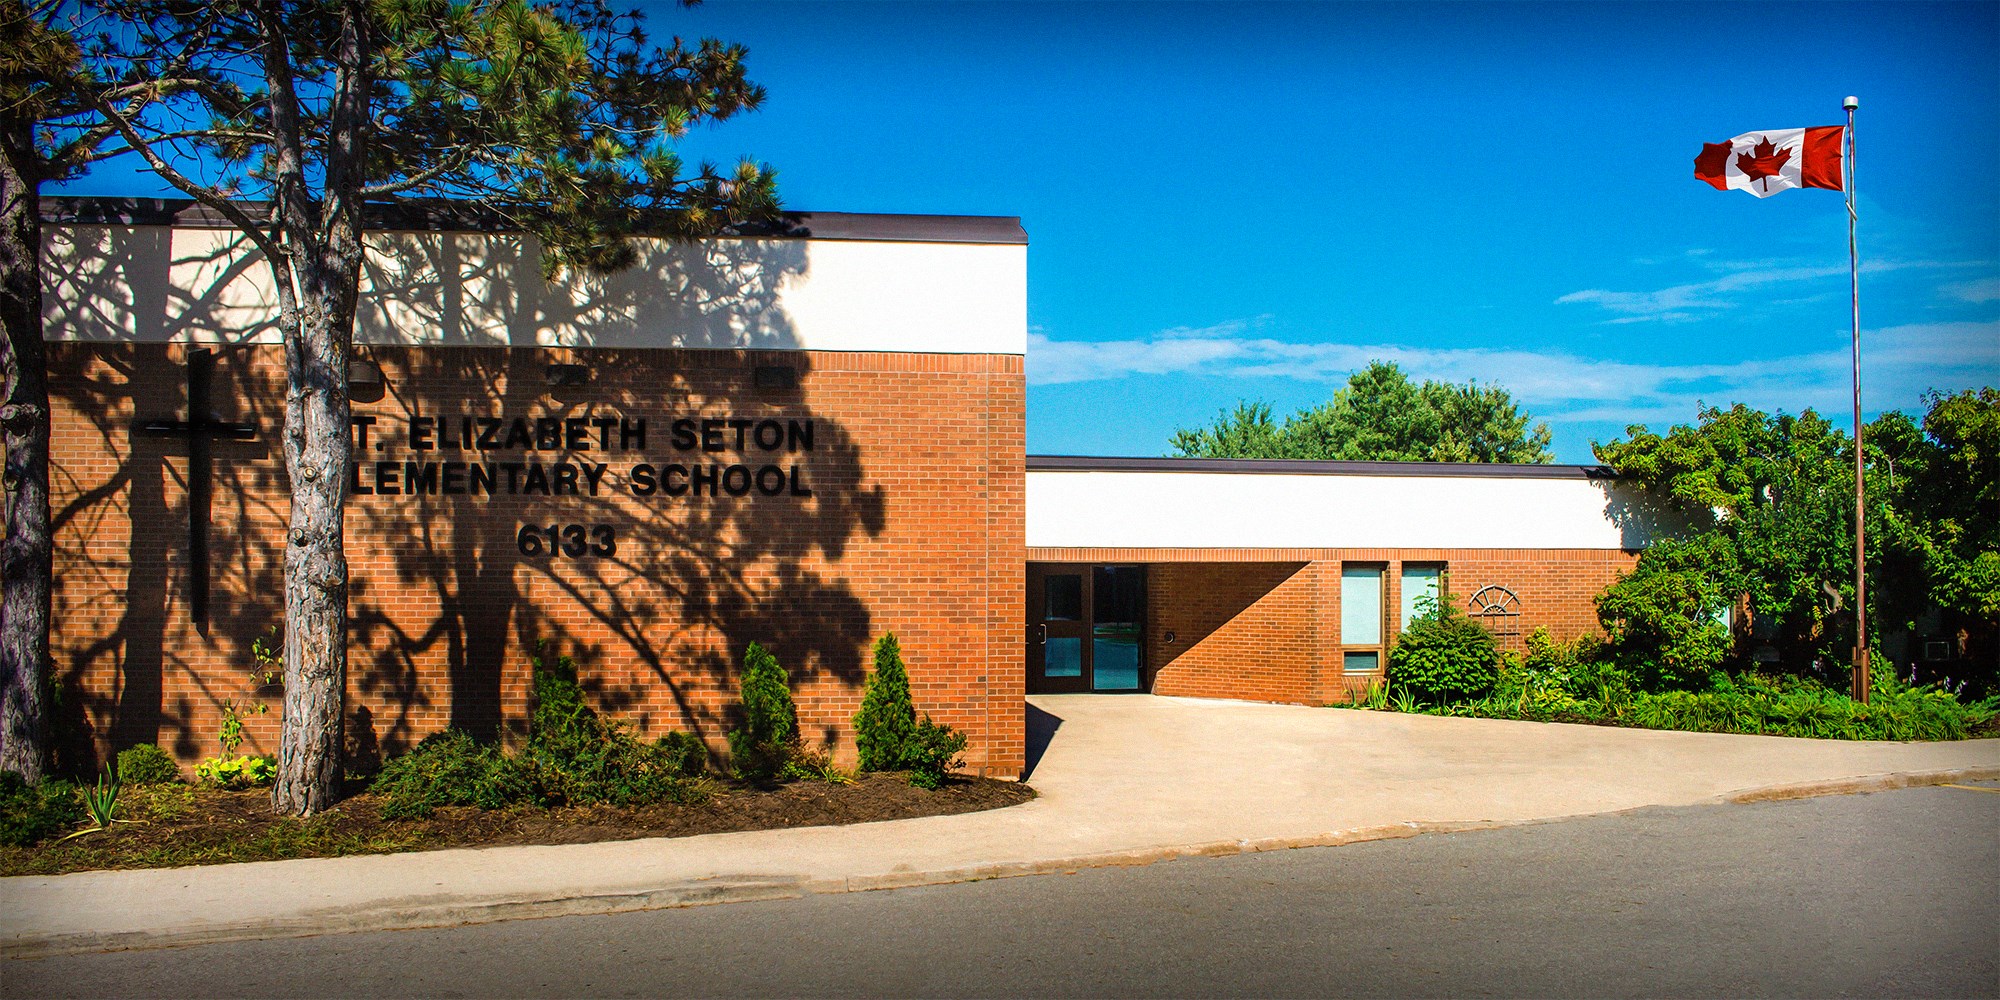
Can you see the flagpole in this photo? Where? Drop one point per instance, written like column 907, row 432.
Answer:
column 1860, row 682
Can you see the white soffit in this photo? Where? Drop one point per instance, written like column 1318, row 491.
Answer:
column 202, row 285
column 1239, row 510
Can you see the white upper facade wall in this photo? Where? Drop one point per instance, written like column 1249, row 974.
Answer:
column 205, row 285
column 1192, row 509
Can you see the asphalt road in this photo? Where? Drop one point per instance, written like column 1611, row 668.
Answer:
column 1890, row 894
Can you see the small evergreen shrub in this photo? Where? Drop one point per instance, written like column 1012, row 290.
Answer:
column 147, row 764
column 804, row 764
column 1444, row 656
column 573, row 757
column 452, row 769
column 687, row 753
column 760, row 749
column 560, row 714
column 887, row 719
column 931, row 752
column 30, row 814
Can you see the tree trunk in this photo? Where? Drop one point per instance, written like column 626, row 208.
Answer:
column 321, row 279
column 25, row 568
column 317, row 447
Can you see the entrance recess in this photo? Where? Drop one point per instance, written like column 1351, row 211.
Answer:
column 1085, row 628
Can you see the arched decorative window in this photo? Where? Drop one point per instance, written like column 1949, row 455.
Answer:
column 1499, row 609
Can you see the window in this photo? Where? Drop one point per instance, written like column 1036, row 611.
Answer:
column 1420, row 581
column 1361, row 619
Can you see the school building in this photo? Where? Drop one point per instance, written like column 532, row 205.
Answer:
column 804, row 437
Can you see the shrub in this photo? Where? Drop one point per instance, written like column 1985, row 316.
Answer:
column 573, row 757
column 1665, row 617
column 612, row 767
column 1444, row 656
column 931, row 751
column 247, row 771
column 803, row 764
column 451, row 769
column 147, row 764
column 686, row 751
column 560, row 714
column 32, row 813
column 760, row 749
column 887, row 718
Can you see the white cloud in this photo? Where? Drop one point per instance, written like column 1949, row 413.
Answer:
column 1900, row 363
column 1680, row 303
column 1980, row 290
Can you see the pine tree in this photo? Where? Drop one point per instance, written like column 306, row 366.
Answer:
column 559, row 119
column 770, row 721
column 883, row 727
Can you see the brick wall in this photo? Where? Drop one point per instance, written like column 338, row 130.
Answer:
column 1270, row 630
column 913, row 525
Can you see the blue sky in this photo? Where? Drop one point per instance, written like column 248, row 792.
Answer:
column 1250, row 201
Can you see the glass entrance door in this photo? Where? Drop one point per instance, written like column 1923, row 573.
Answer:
column 1085, row 628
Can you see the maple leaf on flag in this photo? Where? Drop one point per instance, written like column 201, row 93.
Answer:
column 1764, row 161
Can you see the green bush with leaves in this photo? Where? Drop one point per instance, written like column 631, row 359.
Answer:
column 931, row 753
column 246, row 771
column 147, row 764
column 1665, row 618
column 760, row 749
column 887, row 719
column 686, row 752
column 30, row 814
column 1443, row 656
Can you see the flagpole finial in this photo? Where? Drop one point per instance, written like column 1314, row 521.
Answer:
column 1850, row 103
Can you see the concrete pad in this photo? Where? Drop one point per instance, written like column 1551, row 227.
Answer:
column 1123, row 780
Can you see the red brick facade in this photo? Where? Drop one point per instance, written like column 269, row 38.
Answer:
column 1264, row 625
column 878, row 493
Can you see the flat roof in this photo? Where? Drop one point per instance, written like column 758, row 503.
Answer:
column 454, row 216
column 1308, row 467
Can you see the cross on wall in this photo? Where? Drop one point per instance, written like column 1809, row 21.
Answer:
column 199, row 430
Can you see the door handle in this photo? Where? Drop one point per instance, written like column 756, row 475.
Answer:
column 1042, row 634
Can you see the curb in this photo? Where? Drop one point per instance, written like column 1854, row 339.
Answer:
column 423, row 912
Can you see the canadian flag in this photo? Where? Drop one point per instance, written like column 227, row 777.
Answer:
column 1765, row 163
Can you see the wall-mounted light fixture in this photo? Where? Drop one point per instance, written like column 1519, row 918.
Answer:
column 365, row 383
column 777, row 377
column 569, row 376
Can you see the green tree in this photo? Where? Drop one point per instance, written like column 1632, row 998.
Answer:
column 1380, row 416
column 1246, row 432
column 1936, row 538
column 558, row 118
column 887, row 719
column 1775, row 494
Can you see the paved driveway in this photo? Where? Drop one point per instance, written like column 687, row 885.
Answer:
column 1143, row 770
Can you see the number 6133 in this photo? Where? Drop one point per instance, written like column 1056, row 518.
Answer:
column 572, row 540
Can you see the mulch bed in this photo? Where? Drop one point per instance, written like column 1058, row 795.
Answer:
column 205, row 826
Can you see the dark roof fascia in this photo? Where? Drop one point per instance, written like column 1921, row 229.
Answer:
column 1304, row 467
column 449, row 216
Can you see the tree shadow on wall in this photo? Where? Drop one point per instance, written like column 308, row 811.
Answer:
column 667, row 590
column 133, row 664
column 444, row 603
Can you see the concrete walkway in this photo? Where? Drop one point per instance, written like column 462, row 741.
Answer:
column 1123, row 780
